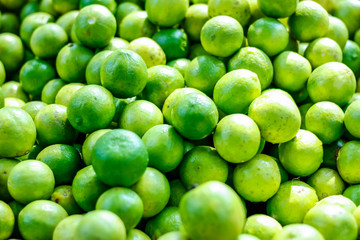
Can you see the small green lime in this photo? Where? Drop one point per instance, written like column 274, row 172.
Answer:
column 50, row 90
column 351, row 56
column 110, row 4
column 65, row 93
column 352, row 192
column 278, row 8
column 63, row 196
column 177, row 191
column 166, row 13
column 180, row 64
column 174, row 42
column 262, row 226
column 337, row 31
column 7, row 221
column 238, row 9
column 11, row 51
column 65, row 230
column 136, row 234
column 67, row 20
column 6, row 165
column 149, row 50
column 116, row 43
column 136, row 25
column 124, row 9
column 89, row 144
column 348, row 162
column 349, row 13
column 195, row 18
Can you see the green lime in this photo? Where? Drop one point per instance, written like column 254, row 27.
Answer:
column 347, row 162
column 162, row 81
column 2, row 98
column 254, row 60
column 136, row 234
column 34, row 74
column 2, row 73
column 116, row 43
column 167, row 221
column 302, row 48
column 174, row 42
column 337, row 31
column 195, row 18
column 235, row 91
column 124, row 73
column 351, row 56
column 349, row 13
column 6, row 165
column 154, row 191
column 89, row 144
column 278, row 8
column 352, row 118
column 17, row 131
column 203, row 73
column 326, row 121
column 87, row 188
column 65, row 93
column 73, row 37
column 31, row 22
column 149, row 50
column 352, row 192
column 10, row 22
column 177, row 191
column 356, row 214
column 27, row 9
column 119, row 164
column 67, row 20
column 13, row 102
column 110, row 4
column 292, row 201
column 222, row 36
column 262, row 226
column 339, row 200
column 197, row 50
column 194, row 115
column 310, row 21
column 36, row 149
column 89, row 103
column 245, row 236
column 180, row 64
column 269, row 35
column 238, row 9
column 326, row 182
column 321, row 84
column 323, row 50
column 298, row 231
column 123, row 202
column 101, row 225
column 357, row 36
column 331, row 152
column 64, row 197
column 14, row 89
column 50, row 90
column 332, row 221
column 11, row 51
column 95, row 26
column 7, row 221
column 64, row 6
column 124, row 9
column 174, row 235
column 31, row 180
column 136, row 25
column 291, row 71
column 71, row 62
column 53, row 126
column 166, row 13
column 65, row 230
column 212, row 211
column 33, row 107
column 16, row 209
column 165, row 147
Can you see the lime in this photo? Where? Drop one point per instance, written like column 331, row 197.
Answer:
column 136, row 234
column 347, row 162
column 254, row 60
column 31, row 22
column 27, row 9
column 165, row 147
column 238, row 9
column 195, row 18
column 34, row 74
column 2, row 98
column 298, row 231
column 89, row 144
column 87, row 188
column 48, row 6
column 166, row 13
column 154, row 191
column 337, row 31
column 339, row 200
column 180, row 64
column 119, row 164
column 7, row 220
column 47, row 40
column 332, row 221
column 6, row 165
column 245, row 236
column 326, row 182
column 30, row 180
column 124, row 9
column 101, row 225
column 17, row 131
column 63, row 196
column 194, row 115
column 36, row 149
column 89, row 103
column 174, row 235
column 321, row 84
column 222, row 36
column 124, row 73
column 95, row 26
column 53, row 126
column 13, row 102
column 212, row 211
column 67, row 20
column 10, row 22
column 123, row 202
column 351, row 56
column 11, row 51
column 50, row 90
column 65, row 93
column 33, row 107
column 65, row 230
column 262, row 226
column 293, row 200
column 2, row 73
column 326, row 121
column 177, row 191
column 356, row 214
column 12, row 4
column 136, row 25
column 196, row 50
column 278, row 8
column 203, row 73
column 162, row 81
column 14, row 89
column 149, row 50
column 269, row 35
column 139, row 116
column 64, row 6
column 352, row 192
column 116, row 43
column 323, row 50
column 349, row 13
column 93, row 68
column 235, row 91
column 110, row 4
column 357, row 36
column 174, row 42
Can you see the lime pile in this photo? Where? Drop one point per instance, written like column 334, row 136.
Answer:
column 180, row 119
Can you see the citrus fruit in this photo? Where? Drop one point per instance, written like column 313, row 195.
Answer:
column 202, row 216
column 337, row 31
column 11, row 51
column 278, row 8
column 64, row 94
column 298, row 231
column 124, row 9
column 351, row 56
column 17, row 131
column 357, row 218
column 339, row 200
column 2, row 73
column 63, row 196
column 124, row 73
column 89, row 143
column 6, row 165
column 166, row 13
column 13, row 102
column 262, row 226
column 64, row 6
column 180, row 64
column 50, row 90
column 195, row 18
column 33, row 107
column 349, row 13
column 110, row 4
column 7, row 220
column 10, row 22
column 67, row 20
column 238, row 9
column 352, row 192
column 65, row 230
column 119, row 164
column 154, row 191
column 197, row 50
column 123, row 202
column 136, row 25
column 174, row 42
column 136, row 234
column 174, row 235
column 177, row 190
column 222, row 36
column 347, row 162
